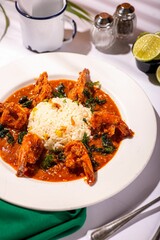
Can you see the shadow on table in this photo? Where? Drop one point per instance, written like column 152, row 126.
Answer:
column 123, row 46
column 129, row 198
column 152, row 78
column 81, row 44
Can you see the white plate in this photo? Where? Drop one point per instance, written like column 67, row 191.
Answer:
column 126, row 165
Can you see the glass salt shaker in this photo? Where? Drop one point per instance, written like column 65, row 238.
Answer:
column 124, row 20
column 103, row 33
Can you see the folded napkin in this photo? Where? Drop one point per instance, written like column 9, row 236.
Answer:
column 20, row 223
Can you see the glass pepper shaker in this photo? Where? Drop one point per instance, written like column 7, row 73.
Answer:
column 124, row 20
column 103, row 32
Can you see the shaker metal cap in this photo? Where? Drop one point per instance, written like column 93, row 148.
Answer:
column 125, row 9
column 103, row 19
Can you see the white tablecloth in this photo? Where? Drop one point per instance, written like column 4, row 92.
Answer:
column 146, row 186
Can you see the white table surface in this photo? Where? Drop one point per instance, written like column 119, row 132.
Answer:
column 146, row 186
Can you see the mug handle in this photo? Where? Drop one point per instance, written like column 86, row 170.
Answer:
column 74, row 29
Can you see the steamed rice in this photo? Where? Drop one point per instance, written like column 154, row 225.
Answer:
column 59, row 121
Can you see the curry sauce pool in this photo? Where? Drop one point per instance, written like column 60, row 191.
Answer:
column 62, row 130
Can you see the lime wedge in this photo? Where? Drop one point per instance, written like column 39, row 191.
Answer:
column 158, row 74
column 142, row 34
column 147, row 47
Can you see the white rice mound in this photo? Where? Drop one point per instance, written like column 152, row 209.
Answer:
column 59, row 121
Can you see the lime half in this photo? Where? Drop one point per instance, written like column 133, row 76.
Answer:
column 157, row 33
column 147, row 47
column 157, row 58
column 142, row 34
column 158, row 74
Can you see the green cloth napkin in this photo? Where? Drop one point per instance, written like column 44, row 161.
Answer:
column 20, row 223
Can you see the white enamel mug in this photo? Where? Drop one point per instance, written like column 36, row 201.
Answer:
column 40, row 8
column 45, row 34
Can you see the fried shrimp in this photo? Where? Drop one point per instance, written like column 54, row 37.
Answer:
column 77, row 93
column 42, row 89
column 30, row 151
column 14, row 115
column 110, row 123
column 77, row 156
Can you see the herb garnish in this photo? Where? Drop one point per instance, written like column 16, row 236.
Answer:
column 20, row 136
column 59, row 154
column 4, row 132
column 91, row 84
column 107, row 144
column 25, row 102
column 85, row 141
column 59, row 91
column 10, row 138
column 48, row 162
column 107, row 147
column 92, row 101
column 87, row 93
column 52, row 158
column 85, row 120
column 1, row 127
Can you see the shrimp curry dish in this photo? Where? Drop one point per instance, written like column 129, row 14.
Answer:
column 60, row 130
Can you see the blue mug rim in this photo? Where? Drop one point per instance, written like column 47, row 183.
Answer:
column 40, row 18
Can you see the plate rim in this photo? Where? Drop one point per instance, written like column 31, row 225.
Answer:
column 72, row 205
